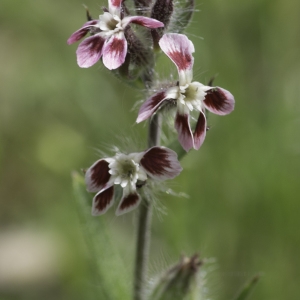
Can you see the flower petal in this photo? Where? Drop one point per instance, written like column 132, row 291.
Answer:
column 130, row 200
column 143, row 21
column 185, row 135
column 161, row 163
column 219, row 101
column 103, row 201
column 90, row 51
column 200, row 131
column 80, row 33
column 114, row 7
column 114, row 52
column 97, row 176
column 179, row 49
column 152, row 104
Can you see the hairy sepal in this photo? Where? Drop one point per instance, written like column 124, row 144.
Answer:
column 162, row 10
column 182, row 16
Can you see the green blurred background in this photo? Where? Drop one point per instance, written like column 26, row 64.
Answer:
column 243, row 183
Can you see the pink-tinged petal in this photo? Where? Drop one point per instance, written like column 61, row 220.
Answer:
column 103, row 201
column 200, row 131
column 90, row 51
column 114, row 52
column 219, row 101
column 115, row 7
column 185, row 135
column 161, row 163
column 97, row 176
column 129, row 202
column 179, row 49
column 80, row 33
column 151, row 105
column 143, row 21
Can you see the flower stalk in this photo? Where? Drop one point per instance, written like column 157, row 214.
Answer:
column 144, row 223
column 142, row 250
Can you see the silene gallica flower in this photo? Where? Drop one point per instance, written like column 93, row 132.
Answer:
column 187, row 95
column 130, row 171
column 108, row 39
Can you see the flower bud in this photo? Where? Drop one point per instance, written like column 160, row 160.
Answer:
column 178, row 282
column 182, row 16
column 162, row 11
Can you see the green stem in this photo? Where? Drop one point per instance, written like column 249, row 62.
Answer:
column 144, row 224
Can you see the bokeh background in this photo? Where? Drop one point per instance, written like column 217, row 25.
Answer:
column 243, row 184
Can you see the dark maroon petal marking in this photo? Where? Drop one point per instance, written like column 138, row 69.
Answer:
column 179, row 49
column 103, row 201
column 219, row 101
column 150, row 106
column 117, row 47
column 128, row 203
column 200, row 131
column 182, row 60
column 161, row 163
column 114, row 52
column 80, row 33
column 183, row 128
column 115, row 3
column 97, row 176
column 156, row 161
column 90, row 51
column 143, row 21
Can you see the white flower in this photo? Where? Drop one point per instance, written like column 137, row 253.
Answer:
column 109, row 39
column 188, row 95
column 128, row 170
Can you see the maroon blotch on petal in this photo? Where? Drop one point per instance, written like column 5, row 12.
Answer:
column 80, row 33
column 183, row 128
column 97, row 176
column 200, row 131
column 150, row 106
column 219, row 101
column 116, row 3
column 182, row 60
column 114, row 52
column 90, row 51
column 143, row 21
column 103, row 201
column 128, row 203
column 179, row 49
column 161, row 163
column 155, row 161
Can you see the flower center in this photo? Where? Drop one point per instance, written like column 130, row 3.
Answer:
column 109, row 23
column 192, row 95
column 128, row 169
column 124, row 170
column 113, row 23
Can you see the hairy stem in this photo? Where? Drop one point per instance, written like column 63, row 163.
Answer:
column 144, row 224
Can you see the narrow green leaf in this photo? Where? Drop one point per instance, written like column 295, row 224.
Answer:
column 109, row 272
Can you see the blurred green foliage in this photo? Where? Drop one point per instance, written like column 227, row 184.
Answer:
column 243, row 183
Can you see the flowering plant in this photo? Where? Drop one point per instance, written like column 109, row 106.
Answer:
column 113, row 39
column 108, row 39
column 129, row 171
column 187, row 95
